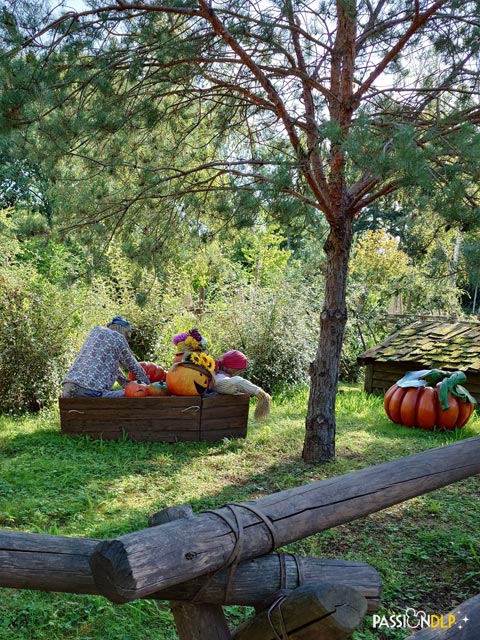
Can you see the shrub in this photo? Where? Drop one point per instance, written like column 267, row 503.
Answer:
column 277, row 327
column 350, row 370
column 33, row 339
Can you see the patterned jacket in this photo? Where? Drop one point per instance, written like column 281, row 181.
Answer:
column 97, row 365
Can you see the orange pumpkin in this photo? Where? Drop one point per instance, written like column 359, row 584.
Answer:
column 186, row 379
column 154, row 371
column 134, row 389
column 447, row 405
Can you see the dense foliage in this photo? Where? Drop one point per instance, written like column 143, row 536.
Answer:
column 251, row 292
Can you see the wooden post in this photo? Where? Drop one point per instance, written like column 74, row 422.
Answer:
column 193, row 621
column 141, row 563
column 314, row 612
column 57, row 563
column 200, row 621
column 463, row 623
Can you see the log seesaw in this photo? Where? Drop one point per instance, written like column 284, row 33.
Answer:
column 228, row 555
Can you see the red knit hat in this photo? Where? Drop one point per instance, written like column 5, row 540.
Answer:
column 234, row 360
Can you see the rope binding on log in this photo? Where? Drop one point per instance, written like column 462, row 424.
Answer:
column 237, row 528
column 282, row 634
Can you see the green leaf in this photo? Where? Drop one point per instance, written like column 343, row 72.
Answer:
column 452, row 385
column 413, row 379
column 434, row 376
column 443, row 394
column 423, row 378
column 463, row 394
column 457, row 377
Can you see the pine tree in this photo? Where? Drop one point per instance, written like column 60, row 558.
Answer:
column 331, row 104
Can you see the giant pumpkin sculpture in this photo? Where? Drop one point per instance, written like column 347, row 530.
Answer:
column 430, row 399
column 191, row 376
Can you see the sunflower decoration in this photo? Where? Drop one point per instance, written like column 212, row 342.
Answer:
column 201, row 359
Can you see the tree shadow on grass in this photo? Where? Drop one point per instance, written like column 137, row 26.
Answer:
column 82, row 487
column 72, row 485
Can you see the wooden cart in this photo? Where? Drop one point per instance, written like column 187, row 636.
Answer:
column 157, row 419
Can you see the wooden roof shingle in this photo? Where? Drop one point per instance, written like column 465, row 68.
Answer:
column 433, row 343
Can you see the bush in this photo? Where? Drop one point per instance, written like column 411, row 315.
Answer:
column 42, row 328
column 33, row 340
column 277, row 328
column 147, row 323
column 350, row 370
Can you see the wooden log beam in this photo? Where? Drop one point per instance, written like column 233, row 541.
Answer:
column 463, row 623
column 46, row 562
column 314, row 612
column 56, row 563
column 141, row 563
column 256, row 580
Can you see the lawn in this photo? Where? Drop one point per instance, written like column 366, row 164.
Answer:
column 427, row 550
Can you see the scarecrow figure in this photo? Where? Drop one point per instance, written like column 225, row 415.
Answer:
column 227, row 380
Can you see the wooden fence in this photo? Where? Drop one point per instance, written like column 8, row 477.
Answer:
column 227, row 556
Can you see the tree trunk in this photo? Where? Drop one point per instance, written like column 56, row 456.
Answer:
column 319, row 444
column 455, row 259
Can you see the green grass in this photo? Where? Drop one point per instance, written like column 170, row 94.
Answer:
column 427, row 550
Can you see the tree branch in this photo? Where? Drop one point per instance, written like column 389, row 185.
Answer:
column 419, row 21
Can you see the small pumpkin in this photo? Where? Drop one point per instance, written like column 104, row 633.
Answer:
column 154, row 371
column 134, row 389
column 430, row 399
column 158, row 389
